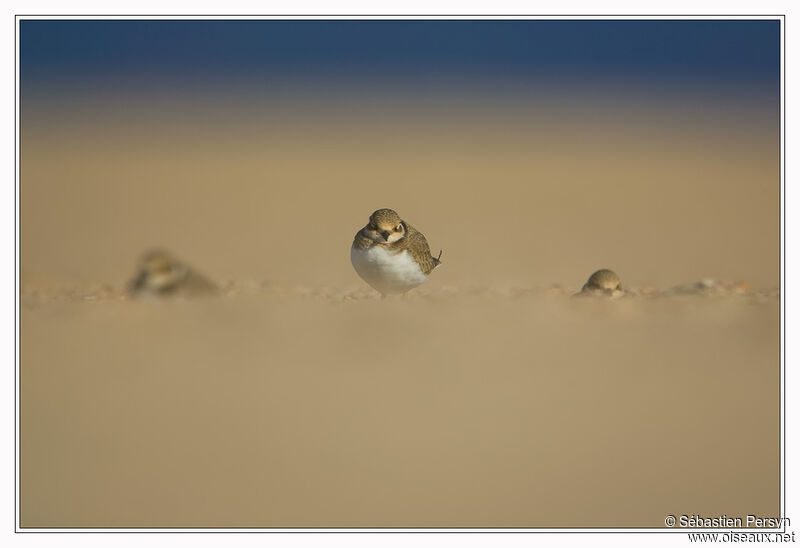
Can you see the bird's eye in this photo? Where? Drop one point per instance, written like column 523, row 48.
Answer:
column 398, row 228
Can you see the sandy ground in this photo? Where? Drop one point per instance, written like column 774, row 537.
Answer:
column 489, row 397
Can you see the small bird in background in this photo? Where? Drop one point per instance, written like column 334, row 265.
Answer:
column 391, row 255
column 161, row 274
column 604, row 283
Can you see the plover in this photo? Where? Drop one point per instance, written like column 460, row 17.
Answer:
column 161, row 274
column 391, row 255
column 604, row 282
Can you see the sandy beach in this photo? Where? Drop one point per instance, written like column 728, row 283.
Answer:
column 490, row 397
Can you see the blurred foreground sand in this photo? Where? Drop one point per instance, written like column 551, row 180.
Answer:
column 264, row 409
column 485, row 399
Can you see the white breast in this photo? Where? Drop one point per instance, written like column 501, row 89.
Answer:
column 387, row 271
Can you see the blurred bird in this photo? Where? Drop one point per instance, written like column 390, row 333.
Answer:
column 391, row 255
column 161, row 274
column 603, row 283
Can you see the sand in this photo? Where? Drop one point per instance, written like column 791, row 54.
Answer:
column 488, row 398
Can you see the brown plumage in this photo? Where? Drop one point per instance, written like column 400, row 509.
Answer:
column 161, row 274
column 413, row 241
column 603, row 282
column 390, row 254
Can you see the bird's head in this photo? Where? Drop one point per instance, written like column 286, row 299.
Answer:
column 385, row 227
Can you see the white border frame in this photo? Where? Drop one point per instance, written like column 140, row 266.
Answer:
column 781, row 18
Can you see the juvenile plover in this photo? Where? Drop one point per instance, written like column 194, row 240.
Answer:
column 161, row 274
column 604, row 282
column 391, row 255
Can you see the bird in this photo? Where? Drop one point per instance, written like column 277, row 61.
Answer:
column 391, row 255
column 603, row 282
column 161, row 274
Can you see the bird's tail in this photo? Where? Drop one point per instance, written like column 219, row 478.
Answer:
column 436, row 261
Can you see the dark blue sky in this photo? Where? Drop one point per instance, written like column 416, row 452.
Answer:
column 712, row 52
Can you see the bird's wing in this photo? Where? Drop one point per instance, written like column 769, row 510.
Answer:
column 417, row 245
